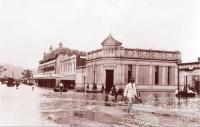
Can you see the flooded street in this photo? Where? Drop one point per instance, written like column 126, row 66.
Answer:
column 42, row 107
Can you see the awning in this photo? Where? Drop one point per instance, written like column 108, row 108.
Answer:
column 68, row 77
column 39, row 76
column 55, row 76
column 52, row 76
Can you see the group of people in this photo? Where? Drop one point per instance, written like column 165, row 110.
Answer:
column 129, row 93
column 186, row 89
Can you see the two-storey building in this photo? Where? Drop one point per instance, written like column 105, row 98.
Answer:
column 59, row 65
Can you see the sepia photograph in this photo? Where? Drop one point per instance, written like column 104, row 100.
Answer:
column 100, row 63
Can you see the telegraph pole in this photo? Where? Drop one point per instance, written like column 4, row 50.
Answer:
column 178, row 80
column 12, row 74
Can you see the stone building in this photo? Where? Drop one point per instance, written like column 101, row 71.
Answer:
column 189, row 74
column 59, row 65
column 112, row 64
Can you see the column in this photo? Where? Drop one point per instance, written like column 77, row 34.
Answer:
column 172, row 76
column 125, row 73
column 153, row 75
column 102, row 75
column 176, row 76
column 118, row 74
column 160, row 77
column 163, row 76
column 122, row 74
column 150, row 74
column 137, row 74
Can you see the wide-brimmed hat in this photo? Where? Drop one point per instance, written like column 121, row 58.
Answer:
column 132, row 79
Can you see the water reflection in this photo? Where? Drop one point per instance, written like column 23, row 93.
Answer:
column 17, row 105
column 156, row 100
column 42, row 106
column 168, row 100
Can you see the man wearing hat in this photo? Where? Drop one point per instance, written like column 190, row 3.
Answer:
column 130, row 92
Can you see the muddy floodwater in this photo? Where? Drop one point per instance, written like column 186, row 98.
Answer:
column 43, row 107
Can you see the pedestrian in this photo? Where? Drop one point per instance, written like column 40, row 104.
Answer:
column 61, row 86
column 32, row 87
column 130, row 92
column 94, row 86
column 113, row 92
column 87, row 87
column 106, row 96
column 102, row 88
column 176, row 91
column 120, row 93
column 17, row 85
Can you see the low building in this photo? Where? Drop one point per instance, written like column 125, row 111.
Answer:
column 189, row 74
column 112, row 64
column 59, row 65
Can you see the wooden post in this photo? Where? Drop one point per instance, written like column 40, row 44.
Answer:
column 186, row 84
column 84, row 82
column 178, row 80
column 83, row 85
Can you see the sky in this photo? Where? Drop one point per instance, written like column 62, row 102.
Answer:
column 29, row 27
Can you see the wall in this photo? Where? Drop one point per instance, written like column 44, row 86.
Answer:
column 142, row 70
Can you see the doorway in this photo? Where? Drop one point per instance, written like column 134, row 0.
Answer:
column 129, row 72
column 197, row 86
column 109, row 79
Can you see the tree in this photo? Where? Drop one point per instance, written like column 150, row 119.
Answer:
column 2, row 69
column 28, row 74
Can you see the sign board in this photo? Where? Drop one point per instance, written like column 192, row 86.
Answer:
column 189, row 66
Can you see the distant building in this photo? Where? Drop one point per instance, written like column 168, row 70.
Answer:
column 81, row 75
column 112, row 64
column 59, row 65
column 189, row 74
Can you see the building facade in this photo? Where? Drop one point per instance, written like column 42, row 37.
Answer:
column 59, row 65
column 113, row 64
column 81, row 76
column 189, row 74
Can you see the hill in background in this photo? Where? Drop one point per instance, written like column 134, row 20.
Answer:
column 14, row 71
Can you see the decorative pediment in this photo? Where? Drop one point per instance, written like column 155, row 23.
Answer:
column 110, row 41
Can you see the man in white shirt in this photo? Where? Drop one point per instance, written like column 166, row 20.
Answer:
column 130, row 92
column 61, row 86
column 176, row 91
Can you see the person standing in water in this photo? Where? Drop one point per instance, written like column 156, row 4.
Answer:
column 130, row 92
column 61, row 86
column 113, row 92
column 32, row 87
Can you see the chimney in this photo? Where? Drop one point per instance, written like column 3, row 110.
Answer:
column 198, row 59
